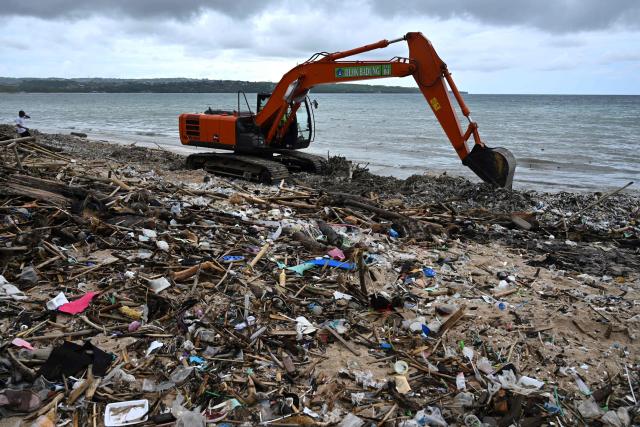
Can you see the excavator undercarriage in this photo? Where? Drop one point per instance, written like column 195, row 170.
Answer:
column 267, row 168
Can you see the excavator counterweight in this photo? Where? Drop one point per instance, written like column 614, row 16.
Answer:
column 283, row 121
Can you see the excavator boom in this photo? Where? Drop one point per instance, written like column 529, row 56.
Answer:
column 493, row 165
column 274, row 128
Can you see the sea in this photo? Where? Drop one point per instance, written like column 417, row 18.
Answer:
column 561, row 142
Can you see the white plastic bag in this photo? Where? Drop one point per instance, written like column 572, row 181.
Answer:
column 589, row 409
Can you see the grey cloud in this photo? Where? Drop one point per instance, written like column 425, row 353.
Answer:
column 619, row 57
column 558, row 16
column 13, row 43
column 140, row 9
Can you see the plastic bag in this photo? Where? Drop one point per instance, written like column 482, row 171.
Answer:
column 117, row 375
column 485, row 366
column 523, row 386
column 619, row 418
column 365, row 378
column 180, row 374
column 464, row 399
column 431, row 416
column 351, row 421
column 150, row 386
column 589, row 409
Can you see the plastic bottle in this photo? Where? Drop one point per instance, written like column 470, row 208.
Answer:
column 584, row 388
column 460, row 381
column 282, row 281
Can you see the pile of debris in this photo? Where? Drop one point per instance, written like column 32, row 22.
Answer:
column 136, row 294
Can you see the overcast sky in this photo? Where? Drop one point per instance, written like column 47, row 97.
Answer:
column 491, row 46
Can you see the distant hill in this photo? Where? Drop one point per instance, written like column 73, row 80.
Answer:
column 174, row 85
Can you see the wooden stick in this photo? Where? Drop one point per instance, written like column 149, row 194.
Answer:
column 342, row 340
column 391, row 411
column 67, row 334
column 452, row 320
column 31, row 330
column 598, row 313
column 47, row 262
column 120, row 183
column 28, row 373
column 361, row 274
column 18, row 162
column 191, row 271
column 505, row 293
column 90, row 269
column 259, row 255
column 79, row 391
column 10, row 141
column 36, row 147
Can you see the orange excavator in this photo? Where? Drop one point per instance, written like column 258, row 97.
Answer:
column 265, row 143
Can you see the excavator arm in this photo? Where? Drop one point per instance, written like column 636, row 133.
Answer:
column 493, row 165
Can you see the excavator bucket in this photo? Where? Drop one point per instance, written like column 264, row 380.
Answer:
column 494, row 165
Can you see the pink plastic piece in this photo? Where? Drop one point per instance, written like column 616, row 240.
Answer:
column 134, row 326
column 19, row 342
column 79, row 305
column 336, row 253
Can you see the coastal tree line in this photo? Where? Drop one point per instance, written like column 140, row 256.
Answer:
column 58, row 85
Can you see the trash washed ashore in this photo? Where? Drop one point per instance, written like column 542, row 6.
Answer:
column 135, row 291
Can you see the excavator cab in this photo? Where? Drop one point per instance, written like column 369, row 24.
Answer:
column 299, row 134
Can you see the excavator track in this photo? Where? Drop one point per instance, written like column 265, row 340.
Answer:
column 301, row 162
column 258, row 169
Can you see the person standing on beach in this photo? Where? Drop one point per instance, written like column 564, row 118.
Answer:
column 23, row 131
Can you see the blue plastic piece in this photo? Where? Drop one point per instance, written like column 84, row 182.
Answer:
column 552, row 409
column 301, row 268
column 429, row 272
column 426, row 330
column 393, row 233
column 385, row 346
column 408, row 280
column 232, row 258
column 332, row 263
column 197, row 360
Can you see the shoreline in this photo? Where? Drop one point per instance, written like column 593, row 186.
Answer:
column 435, row 252
column 401, row 141
column 147, row 141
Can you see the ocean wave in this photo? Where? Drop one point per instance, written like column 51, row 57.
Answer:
column 150, row 133
column 541, row 164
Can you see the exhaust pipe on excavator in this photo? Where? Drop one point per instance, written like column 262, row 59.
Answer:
column 495, row 166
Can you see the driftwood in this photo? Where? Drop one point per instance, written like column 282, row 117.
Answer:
column 12, row 188
column 407, row 224
column 55, row 192
column 17, row 140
